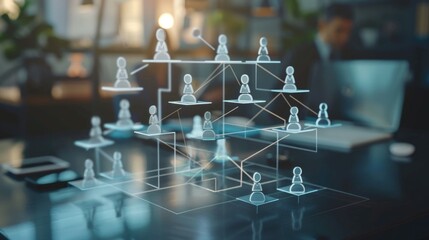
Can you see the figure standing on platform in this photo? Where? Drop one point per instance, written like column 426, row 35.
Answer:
column 89, row 175
column 263, row 50
column 322, row 117
column 96, row 134
column 222, row 50
column 208, row 133
column 121, row 74
column 188, row 90
column 289, row 80
column 245, row 89
column 297, row 186
column 154, row 127
column 161, row 50
column 257, row 195
column 293, row 124
column 124, row 116
column 118, row 169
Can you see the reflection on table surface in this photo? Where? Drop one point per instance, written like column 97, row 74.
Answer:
column 365, row 192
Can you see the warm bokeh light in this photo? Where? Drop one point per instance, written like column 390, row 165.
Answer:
column 166, row 21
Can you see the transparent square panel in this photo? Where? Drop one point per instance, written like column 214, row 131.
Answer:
column 246, row 199
column 184, row 198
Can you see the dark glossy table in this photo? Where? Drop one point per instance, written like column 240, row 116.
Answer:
column 368, row 194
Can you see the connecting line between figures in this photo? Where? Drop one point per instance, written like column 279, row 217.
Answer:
column 106, row 155
column 272, row 74
column 171, row 114
column 235, row 75
column 225, row 114
column 246, row 131
column 286, row 100
column 302, row 104
column 202, row 168
column 139, row 69
column 268, row 111
column 260, row 111
column 242, row 170
column 208, row 80
column 183, row 132
column 276, row 142
column 181, row 153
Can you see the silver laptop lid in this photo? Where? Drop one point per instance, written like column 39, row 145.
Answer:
column 367, row 92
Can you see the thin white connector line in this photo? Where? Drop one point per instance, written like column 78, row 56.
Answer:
column 272, row 74
column 233, row 72
column 304, row 105
column 110, row 158
column 225, row 114
column 275, row 115
column 171, row 114
column 207, row 43
column 247, row 174
column 181, row 153
column 183, row 133
column 211, row 79
column 286, row 100
column 139, row 69
column 266, row 105
column 264, row 148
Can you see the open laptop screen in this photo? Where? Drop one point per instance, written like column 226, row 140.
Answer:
column 366, row 92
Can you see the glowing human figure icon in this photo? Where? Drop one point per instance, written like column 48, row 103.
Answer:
column 197, row 127
column 96, row 134
column 124, row 116
column 208, row 133
column 297, row 186
column 289, row 80
column 221, row 153
column 293, row 124
column 188, row 90
column 322, row 117
column 263, row 50
column 257, row 195
column 89, row 175
column 161, row 50
column 121, row 74
column 118, row 169
column 245, row 89
column 222, row 50
column 154, row 127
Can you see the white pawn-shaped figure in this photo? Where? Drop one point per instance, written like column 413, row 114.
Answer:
column 208, row 133
column 188, row 90
column 222, row 50
column 257, row 195
column 154, row 127
column 124, row 116
column 322, row 117
column 161, row 50
column 197, row 127
column 297, row 186
column 293, row 125
column 96, row 134
column 245, row 89
column 221, row 153
column 89, row 175
column 289, row 80
column 118, row 169
column 121, row 74
column 263, row 50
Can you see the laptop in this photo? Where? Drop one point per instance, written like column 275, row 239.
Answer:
column 365, row 99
